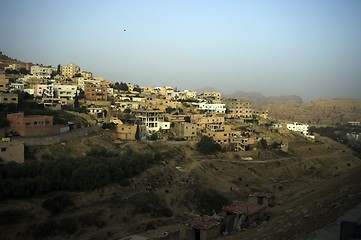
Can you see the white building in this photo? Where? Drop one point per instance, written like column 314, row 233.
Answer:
column 65, row 91
column 212, row 107
column 298, row 127
column 302, row 128
column 152, row 120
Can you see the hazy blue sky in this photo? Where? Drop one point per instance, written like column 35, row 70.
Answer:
column 310, row 48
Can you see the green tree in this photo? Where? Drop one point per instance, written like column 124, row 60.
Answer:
column 207, row 145
column 58, row 70
column 137, row 133
column 76, row 102
column 23, row 71
column 263, row 143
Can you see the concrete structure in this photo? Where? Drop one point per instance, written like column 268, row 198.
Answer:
column 239, row 215
column 152, row 119
column 202, row 120
column 70, row 70
column 54, row 103
column 3, row 83
column 211, row 96
column 65, row 91
column 16, row 87
column 222, row 134
column 12, row 151
column 86, row 75
column 44, row 90
column 96, row 111
column 200, row 229
column 185, row 130
column 211, row 107
column 41, row 71
column 261, row 198
column 96, row 91
column 33, row 125
column 7, row 98
column 301, row 128
column 298, row 127
column 238, row 108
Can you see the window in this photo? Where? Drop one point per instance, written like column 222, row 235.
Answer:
column 27, row 124
column 5, row 99
column 3, row 149
column 13, row 99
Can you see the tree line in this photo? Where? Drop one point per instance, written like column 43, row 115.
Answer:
column 98, row 168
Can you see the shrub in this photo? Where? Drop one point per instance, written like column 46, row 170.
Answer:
column 69, row 225
column 207, row 145
column 58, row 203
column 45, row 229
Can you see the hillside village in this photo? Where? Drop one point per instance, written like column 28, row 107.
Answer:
column 134, row 112
column 124, row 161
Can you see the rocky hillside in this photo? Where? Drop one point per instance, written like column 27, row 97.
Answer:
column 323, row 111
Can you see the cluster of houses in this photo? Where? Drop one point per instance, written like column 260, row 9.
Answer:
column 138, row 112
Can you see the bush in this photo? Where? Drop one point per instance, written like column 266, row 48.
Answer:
column 45, row 229
column 13, row 216
column 208, row 200
column 207, row 145
column 68, row 225
column 57, row 204
column 92, row 219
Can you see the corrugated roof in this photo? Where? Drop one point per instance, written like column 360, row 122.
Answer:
column 241, row 208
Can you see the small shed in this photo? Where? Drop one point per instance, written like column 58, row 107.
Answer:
column 239, row 215
column 200, row 229
column 262, row 198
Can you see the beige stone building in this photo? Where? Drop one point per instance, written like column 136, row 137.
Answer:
column 185, row 130
column 3, row 83
column 7, row 98
column 238, row 108
column 70, row 70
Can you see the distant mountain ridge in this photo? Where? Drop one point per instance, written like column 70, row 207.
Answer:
column 259, row 100
column 322, row 111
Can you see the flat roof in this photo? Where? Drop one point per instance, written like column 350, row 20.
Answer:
column 241, row 208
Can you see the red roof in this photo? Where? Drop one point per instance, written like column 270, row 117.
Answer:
column 240, row 208
column 203, row 224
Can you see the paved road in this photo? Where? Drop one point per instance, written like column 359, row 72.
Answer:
column 48, row 140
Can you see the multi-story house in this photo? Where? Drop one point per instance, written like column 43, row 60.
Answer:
column 222, row 134
column 41, row 71
column 3, row 83
column 185, row 130
column 44, row 90
column 96, row 91
column 217, row 96
column 54, row 103
column 86, row 74
column 152, row 119
column 298, row 127
column 65, row 91
column 16, row 87
column 238, row 108
column 211, row 107
column 8, row 98
column 70, row 70
column 203, row 120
